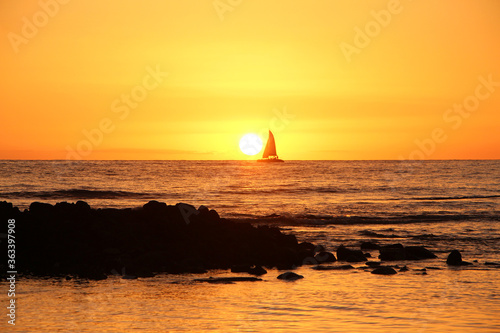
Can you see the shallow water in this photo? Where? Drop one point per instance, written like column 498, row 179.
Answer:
column 458, row 300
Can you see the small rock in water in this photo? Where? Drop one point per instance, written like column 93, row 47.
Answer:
column 332, row 268
column 229, row 279
column 345, row 254
column 491, row 263
column 403, row 269
column 325, row 257
column 384, row 270
column 455, row 259
column 290, row 276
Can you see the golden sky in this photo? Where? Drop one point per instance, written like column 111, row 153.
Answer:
column 187, row 79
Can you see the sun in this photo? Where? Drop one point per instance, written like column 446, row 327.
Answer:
column 250, row 144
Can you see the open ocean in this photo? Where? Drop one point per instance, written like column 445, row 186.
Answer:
column 442, row 205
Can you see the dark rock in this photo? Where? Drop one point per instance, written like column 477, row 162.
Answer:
column 399, row 252
column 403, row 269
column 290, row 276
column 373, row 263
column 257, row 270
column 240, row 268
column 418, row 252
column 155, row 206
column 384, row 270
column 491, row 263
column 41, row 209
column 319, row 248
column 229, row 279
column 96, row 276
column 369, row 246
column 332, row 268
column 307, row 246
column 155, row 238
column 392, row 252
column 345, row 254
column 322, row 257
column 455, row 259
column 203, row 210
column 367, row 255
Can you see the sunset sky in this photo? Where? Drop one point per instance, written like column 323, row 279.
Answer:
column 187, row 79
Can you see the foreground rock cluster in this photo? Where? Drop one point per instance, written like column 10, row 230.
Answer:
column 76, row 240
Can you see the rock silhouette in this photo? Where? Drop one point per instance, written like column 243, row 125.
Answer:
column 290, row 276
column 72, row 239
column 345, row 254
column 455, row 259
column 384, row 270
column 399, row 252
column 324, row 256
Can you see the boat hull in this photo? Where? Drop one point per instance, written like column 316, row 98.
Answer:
column 270, row 160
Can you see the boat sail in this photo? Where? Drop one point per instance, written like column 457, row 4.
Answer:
column 270, row 154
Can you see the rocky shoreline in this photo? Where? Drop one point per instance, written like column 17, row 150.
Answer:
column 73, row 240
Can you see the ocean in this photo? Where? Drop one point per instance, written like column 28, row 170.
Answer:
column 442, row 205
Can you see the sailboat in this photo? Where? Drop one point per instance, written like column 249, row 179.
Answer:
column 270, row 154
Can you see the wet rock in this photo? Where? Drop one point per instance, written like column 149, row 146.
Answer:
column 345, row 254
column 290, row 276
column 384, row 270
column 152, row 239
column 404, row 269
column 418, row 253
column 257, row 270
column 307, row 246
column 455, row 259
column 491, row 263
column 229, row 279
column 319, row 248
column 332, row 268
column 392, row 252
column 322, row 257
column 240, row 268
column 396, row 252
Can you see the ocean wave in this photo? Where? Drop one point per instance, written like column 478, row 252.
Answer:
column 321, row 220
column 458, row 197
column 78, row 194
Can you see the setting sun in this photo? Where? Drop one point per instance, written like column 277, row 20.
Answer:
column 250, row 144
